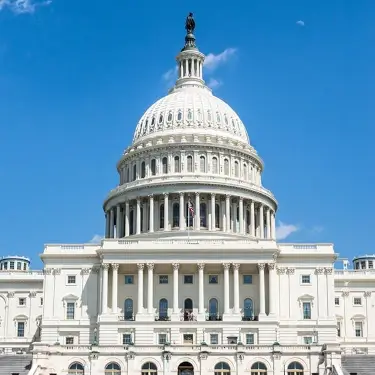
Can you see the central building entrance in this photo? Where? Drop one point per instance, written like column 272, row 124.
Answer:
column 185, row 368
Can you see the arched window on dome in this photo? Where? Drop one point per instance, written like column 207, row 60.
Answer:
column 248, row 309
column 202, row 164
column 134, row 172
column 143, row 170
column 161, row 216
column 179, row 115
column 112, row 369
column 199, row 115
column 131, row 222
column 153, row 121
column 177, row 164
column 222, row 368
column 226, row 119
column 189, row 163
column 165, row 165
column 203, row 215
column 258, row 368
column 236, row 169
column 128, row 309
column 176, row 215
column 245, row 176
column 217, row 216
column 209, row 116
column 190, row 115
column 170, row 117
column 145, row 126
column 149, row 368
column 161, row 118
column 218, row 119
column 153, row 167
column 226, row 167
column 295, row 368
column 215, row 166
column 234, row 127
column 76, row 369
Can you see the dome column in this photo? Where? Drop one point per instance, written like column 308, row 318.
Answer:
column 118, row 222
column 261, row 221
column 273, row 225
column 252, row 219
column 151, row 204
column 268, row 218
column 107, row 224
column 166, row 211
column 111, row 222
column 241, row 216
column 182, row 216
column 234, row 217
column 213, row 218
column 197, row 212
column 138, row 215
column 227, row 213
column 127, row 212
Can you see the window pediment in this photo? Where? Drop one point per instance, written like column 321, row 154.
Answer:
column 306, row 298
column 358, row 317
column 21, row 317
column 70, row 297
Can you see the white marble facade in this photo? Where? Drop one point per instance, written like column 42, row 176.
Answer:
column 189, row 278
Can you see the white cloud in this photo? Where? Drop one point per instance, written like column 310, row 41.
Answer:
column 285, row 230
column 300, row 23
column 23, row 6
column 212, row 61
column 96, row 239
column 214, row 83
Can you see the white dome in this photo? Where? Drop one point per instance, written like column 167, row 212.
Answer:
column 191, row 109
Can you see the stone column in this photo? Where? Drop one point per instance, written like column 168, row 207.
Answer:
column 111, row 222
column 118, row 221
column 226, row 287
column 107, row 224
column 182, row 216
column 234, row 217
column 242, row 226
column 138, row 215
column 140, row 267
column 145, row 217
column 213, row 212
column 127, row 213
column 166, row 211
column 201, row 288
column 272, row 288
column 150, row 289
column 252, row 219
column 114, row 287
column 268, row 218
column 261, row 221
column 151, row 197
column 175, row 288
column 197, row 212
column 262, row 301
column 227, row 212
column 273, row 226
column 236, row 287
column 105, row 288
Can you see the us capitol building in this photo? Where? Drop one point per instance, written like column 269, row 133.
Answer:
column 189, row 278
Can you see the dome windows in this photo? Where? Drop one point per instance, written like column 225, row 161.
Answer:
column 165, row 165
column 189, row 163
column 143, row 170
column 202, row 164
column 226, row 167
column 189, row 115
column 177, row 164
column 153, row 167
column 161, row 118
column 215, row 169
column 218, row 119
column 209, row 117
column 179, row 116
column 199, row 115
column 170, row 116
column 145, row 128
column 236, row 169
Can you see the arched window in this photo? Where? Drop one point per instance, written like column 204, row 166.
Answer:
column 176, row 215
column 202, row 164
column 189, row 163
column 236, row 169
column 76, row 369
column 179, row 116
column 134, row 172
column 215, row 168
column 163, row 309
column 143, row 170
column 222, row 368
column 112, row 369
column 161, row 216
column 153, row 167
column 149, row 368
column 295, row 368
column 128, row 309
column 203, row 215
column 160, row 118
column 245, row 177
column 127, row 174
column 248, row 309
column 190, row 115
column 176, row 164
column 213, row 309
column 169, row 117
column 131, row 222
column 217, row 216
column 209, row 118
column 165, row 165
column 226, row 167
column 258, row 368
column 218, row 117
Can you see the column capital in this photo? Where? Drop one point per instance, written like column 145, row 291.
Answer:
column 236, row 266
column 197, row 194
column 105, row 266
column 271, row 266
column 213, row 195
column 226, row 266
column 175, row 266
column 127, row 202
column 140, row 266
column 290, row 271
column 115, row 266
column 241, row 199
column 138, row 200
column 181, row 194
column 328, row 271
column 150, row 266
column 281, row 270
column 319, row 271
column 261, row 266
column 165, row 195
column 200, row 266
column 151, row 196
column 227, row 196
column 367, row 294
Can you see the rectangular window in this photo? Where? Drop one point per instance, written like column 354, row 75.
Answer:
column 307, row 340
column 127, row 338
column 370, row 264
column 70, row 310
column 162, row 338
column 306, row 310
column 69, row 340
column 21, row 301
column 11, row 265
column 213, row 279
column 21, row 329
column 306, row 279
column 358, row 329
column 5, row 266
column 19, row 266
column 214, row 339
column 249, row 339
column 232, row 340
column 339, row 329
column 363, row 264
column 163, row 279
column 357, row 301
column 71, row 280
column 247, row 279
column 129, row 279
column 188, row 338
column 188, row 279
column 337, row 301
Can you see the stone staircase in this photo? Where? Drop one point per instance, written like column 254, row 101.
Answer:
column 15, row 364
column 360, row 364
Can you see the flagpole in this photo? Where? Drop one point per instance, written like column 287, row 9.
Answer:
column 188, row 223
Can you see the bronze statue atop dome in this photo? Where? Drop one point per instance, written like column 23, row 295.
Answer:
column 190, row 24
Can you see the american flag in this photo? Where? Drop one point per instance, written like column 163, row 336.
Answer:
column 191, row 208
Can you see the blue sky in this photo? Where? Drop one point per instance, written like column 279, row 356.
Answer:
column 75, row 76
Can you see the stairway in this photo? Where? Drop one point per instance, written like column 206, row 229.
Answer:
column 15, row 364
column 360, row 364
